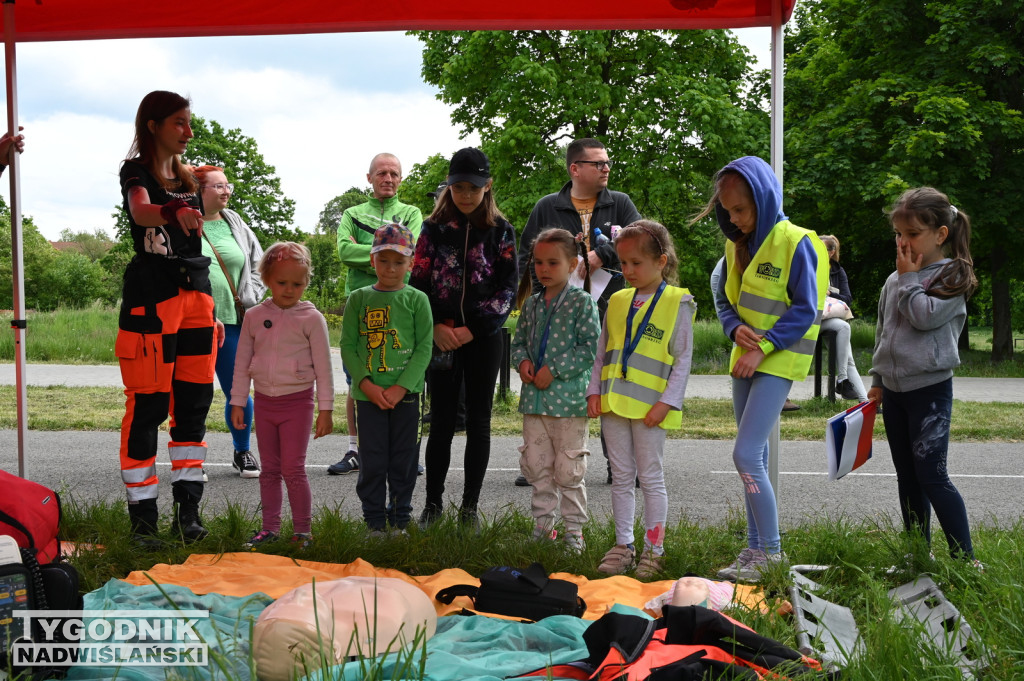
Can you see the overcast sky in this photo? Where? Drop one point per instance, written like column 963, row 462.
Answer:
column 318, row 106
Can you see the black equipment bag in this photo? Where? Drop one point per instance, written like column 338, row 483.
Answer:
column 520, row 592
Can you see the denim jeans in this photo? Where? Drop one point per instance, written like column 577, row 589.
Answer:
column 917, row 427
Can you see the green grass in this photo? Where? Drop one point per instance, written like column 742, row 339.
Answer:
column 63, row 408
column 859, row 553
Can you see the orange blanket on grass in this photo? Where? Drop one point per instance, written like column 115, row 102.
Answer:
column 242, row 574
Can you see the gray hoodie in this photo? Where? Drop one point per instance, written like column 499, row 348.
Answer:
column 916, row 336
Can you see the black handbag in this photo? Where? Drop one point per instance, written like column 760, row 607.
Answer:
column 441, row 360
column 527, row 593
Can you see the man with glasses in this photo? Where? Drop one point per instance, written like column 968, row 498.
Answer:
column 355, row 238
column 584, row 204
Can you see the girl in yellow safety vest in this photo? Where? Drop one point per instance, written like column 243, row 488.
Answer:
column 637, row 387
column 774, row 280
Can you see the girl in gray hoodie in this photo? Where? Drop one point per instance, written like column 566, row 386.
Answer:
column 921, row 312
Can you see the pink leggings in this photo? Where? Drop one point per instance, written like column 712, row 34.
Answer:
column 283, row 424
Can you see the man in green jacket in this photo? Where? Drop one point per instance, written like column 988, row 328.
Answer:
column 355, row 238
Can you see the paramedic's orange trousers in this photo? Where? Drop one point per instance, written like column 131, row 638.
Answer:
column 167, row 373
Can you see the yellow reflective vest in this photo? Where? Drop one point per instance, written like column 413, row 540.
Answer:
column 650, row 364
column 760, row 297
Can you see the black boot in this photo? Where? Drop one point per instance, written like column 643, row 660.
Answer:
column 187, row 522
column 143, row 517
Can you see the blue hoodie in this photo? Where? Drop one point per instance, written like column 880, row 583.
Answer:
column 802, row 287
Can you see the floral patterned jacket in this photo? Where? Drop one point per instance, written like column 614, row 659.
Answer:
column 469, row 274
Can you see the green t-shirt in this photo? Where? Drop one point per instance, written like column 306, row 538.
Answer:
column 218, row 232
column 388, row 336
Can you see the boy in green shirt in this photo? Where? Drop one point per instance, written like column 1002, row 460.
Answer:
column 386, row 339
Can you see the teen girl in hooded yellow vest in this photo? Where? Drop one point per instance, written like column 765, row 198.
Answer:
column 637, row 387
column 775, row 279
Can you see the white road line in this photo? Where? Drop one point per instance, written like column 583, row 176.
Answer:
column 877, row 475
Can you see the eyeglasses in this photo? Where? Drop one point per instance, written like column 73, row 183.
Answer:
column 830, row 248
column 230, row 186
column 600, row 165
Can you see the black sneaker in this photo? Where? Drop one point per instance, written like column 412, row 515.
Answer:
column 348, row 464
column 430, row 515
column 246, row 464
column 521, row 481
column 420, row 470
column 847, row 391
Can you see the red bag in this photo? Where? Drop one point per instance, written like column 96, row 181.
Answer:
column 30, row 513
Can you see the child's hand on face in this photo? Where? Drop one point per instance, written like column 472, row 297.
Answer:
column 324, row 424
column 238, row 418
column 905, row 261
column 543, row 378
column 526, row 371
column 656, row 414
column 593, row 406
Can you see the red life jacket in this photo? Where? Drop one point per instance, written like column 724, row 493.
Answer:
column 688, row 643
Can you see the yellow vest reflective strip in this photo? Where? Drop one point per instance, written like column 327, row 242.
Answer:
column 650, row 364
column 760, row 297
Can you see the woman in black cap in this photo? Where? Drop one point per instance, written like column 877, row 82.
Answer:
column 466, row 264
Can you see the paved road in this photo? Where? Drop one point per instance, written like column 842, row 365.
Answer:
column 967, row 389
column 701, row 479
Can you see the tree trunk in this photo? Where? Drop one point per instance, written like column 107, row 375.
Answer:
column 1002, row 335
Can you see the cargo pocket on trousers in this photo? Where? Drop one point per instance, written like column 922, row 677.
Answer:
column 571, row 466
column 528, row 471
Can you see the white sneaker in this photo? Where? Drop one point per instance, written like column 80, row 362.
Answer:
column 746, row 556
column 574, row 542
column 754, row 570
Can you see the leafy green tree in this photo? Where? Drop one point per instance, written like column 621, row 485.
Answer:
column 72, row 280
column 37, row 255
column 330, row 216
column 326, row 289
column 671, row 106
column 93, row 245
column 257, row 196
column 422, row 179
column 881, row 97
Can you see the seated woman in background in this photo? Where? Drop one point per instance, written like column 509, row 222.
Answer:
column 848, row 383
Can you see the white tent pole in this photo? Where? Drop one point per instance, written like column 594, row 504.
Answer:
column 776, row 152
column 18, row 324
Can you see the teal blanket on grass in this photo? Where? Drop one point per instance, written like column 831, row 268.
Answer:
column 473, row 648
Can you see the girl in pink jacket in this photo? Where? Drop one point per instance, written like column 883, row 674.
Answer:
column 284, row 350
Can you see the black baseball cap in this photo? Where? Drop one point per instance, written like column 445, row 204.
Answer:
column 469, row 165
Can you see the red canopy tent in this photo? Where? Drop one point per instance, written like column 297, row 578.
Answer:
column 52, row 20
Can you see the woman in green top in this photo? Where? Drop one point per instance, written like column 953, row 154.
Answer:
column 234, row 253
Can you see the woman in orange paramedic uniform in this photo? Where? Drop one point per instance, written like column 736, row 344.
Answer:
column 166, row 331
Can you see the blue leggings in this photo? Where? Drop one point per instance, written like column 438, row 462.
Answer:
column 225, row 374
column 765, row 394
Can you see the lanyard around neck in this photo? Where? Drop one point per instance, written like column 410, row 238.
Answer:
column 631, row 340
column 547, row 325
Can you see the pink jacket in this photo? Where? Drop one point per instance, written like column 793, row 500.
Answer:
column 283, row 352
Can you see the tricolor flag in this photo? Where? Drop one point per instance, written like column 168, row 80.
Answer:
column 848, row 438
